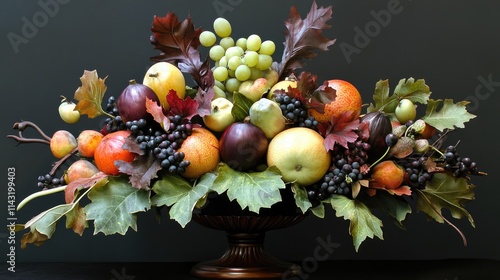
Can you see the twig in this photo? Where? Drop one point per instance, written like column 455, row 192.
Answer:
column 21, row 126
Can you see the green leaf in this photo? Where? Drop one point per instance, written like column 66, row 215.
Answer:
column 445, row 191
column 301, row 197
column 254, row 190
column 176, row 191
column 362, row 224
column 416, row 91
column 241, row 106
column 395, row 206
column 449, row 116
column 114, row 206
column 319, row 211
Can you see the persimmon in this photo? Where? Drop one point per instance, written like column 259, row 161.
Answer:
column 201, row 149
column 347, row 99
column 111, row 149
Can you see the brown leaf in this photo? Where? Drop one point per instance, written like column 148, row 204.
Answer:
column 403, row 148
column 33, row 237
column 77, row 220
column 142, row 170
column 99, row 179
column 303, row 37
column 339, row 131
column 90, row 94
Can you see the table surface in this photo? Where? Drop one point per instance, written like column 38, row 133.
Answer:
column 449, row 269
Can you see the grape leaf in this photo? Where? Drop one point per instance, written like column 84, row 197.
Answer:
column 301, row 197
column 416, row 91
column 141, row 170
column 362, row 224
column 339, row 130
column 99, row 179
column 318, row 211
column 449, row 116
column 157, row 112
column 395, row 206
column 254, row 190
column 90, row 94
column 43, row 225
column 114, row 206
column 302, row 38
column 445, row 191
column 175, row 191
column 178, row 43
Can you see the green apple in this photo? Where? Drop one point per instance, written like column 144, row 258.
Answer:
column 220, row 114
column 266, row 114
column 405, row 111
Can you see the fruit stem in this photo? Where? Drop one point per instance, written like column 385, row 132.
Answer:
column 20, row 126
column 436, row 150
column 39, row 194
column 378, row 160
column 61, row 161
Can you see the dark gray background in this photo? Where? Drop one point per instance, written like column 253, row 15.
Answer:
column 449, row 43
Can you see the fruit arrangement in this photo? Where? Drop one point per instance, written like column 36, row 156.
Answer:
column 250, row 127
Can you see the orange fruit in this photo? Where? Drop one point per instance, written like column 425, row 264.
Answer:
column 111, row 149
column 388, row 174
column 88, row 140
column 201, row 149
column 347, row 99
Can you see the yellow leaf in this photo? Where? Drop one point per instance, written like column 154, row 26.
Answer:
column 90, row 94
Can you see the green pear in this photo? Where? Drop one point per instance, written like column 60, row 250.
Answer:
column 266, row 114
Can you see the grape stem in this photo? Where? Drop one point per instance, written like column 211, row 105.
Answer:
column 39, row 194
column 20, row 126
column 382, row 157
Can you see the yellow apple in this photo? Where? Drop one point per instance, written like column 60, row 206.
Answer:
column 220, row 115
column 300, row 154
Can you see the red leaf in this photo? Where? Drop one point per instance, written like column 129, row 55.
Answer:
column 339, row 131
column 83, row 183
column 186, row 108
column 157, row 112
column 302, row 37
column 178, row 43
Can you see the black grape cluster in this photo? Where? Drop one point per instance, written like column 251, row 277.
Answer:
column 417, row 174
column 459, row 166
column 115, row 123
column 152, row 138
column 295, row 111
column 48, row 181
column 346, row 168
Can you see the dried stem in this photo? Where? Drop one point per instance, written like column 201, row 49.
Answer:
column 61, row 161
column 21, row 126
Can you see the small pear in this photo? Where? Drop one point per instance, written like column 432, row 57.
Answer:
column 266, row 114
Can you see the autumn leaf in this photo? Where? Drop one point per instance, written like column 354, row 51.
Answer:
column 302, row 38
column 178, row 42
column 301, row 197
column 186, row 108
column 77, row 220
column 141, row 170
column 339, row 130
column 157, row 112
column 98, row 179
column 90, row 94
column 449, row 116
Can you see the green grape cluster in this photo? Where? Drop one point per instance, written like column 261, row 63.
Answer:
column 236, row 61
